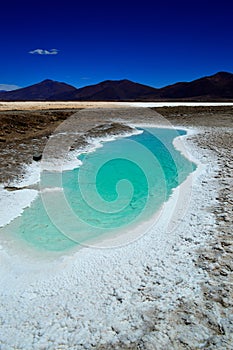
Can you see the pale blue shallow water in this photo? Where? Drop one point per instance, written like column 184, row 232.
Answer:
column 118, row 185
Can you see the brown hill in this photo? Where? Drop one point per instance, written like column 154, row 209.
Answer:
column 218, row 87
column 215, row 87
column 112, row 90
column 43, row 91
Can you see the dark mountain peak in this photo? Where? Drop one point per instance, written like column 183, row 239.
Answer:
column 113, row 90
column 121, row 82
column 223, row 75
column 116, row 82
column 126, row 81
column 217, row 87
column 47, row 81
column 45, row 90
column 51, row 82
column 210, row 88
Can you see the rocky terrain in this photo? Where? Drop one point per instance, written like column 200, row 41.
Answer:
column 204, row 321
column 171, row 320
column 24, row 134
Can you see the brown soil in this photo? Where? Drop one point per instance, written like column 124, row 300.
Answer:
column 198, row 116
column 24, row 125
column 24, row 134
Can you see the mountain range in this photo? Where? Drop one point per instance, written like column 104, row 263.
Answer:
column 218, row 87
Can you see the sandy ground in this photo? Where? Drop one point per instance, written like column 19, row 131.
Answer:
column 10, row 106
column 34, row 105
column 166, row 290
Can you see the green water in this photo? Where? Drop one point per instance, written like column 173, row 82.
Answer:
column 118, row 185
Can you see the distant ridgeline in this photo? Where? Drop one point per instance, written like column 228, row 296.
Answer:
column 218, row 87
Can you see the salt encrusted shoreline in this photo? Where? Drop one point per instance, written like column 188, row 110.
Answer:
column 124, row 298
column 13, row 203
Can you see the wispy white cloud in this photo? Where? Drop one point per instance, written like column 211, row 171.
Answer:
column 8, row 87
column 44, row 52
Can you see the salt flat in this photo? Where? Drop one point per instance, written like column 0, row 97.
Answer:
column 148, row 293
column 35, row 105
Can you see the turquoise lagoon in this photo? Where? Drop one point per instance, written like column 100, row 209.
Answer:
column 117, row 186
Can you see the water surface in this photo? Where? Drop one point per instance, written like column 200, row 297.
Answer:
column 119, row 185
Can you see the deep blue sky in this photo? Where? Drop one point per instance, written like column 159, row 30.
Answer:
column 151, row 42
